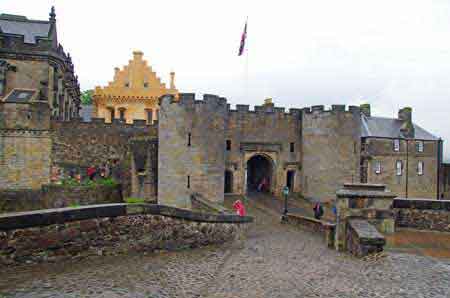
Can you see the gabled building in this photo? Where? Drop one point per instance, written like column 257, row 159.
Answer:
column 400, row 154
column 31, row 59
column 133, row 94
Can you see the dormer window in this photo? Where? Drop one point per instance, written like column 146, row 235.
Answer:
column 396, row 145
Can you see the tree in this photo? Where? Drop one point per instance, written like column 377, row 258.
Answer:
column 86, row 97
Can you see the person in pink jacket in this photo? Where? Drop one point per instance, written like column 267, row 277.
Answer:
column 239, row 208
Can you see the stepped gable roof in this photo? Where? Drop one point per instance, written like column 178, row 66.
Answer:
column 31, row 30
column 390, row 128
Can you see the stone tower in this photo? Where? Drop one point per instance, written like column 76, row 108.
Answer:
column 191, row 150
column 331, row 149
column 25, row 142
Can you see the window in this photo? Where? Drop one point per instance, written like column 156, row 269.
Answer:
column 149, row 116
column 419, row 146
column 145, row 85
column 228, row 145
column 396, row 145
column 292, row 147
column 127, row 85
column 420, row 168
column 399, row 167
column 122, row 114
column 377, row 167
column 189, row 139
column 189, row 182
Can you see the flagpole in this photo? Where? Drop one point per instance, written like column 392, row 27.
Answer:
column 246, row 62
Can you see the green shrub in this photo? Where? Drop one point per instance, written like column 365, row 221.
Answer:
column 106, row 181
column 74, row 205
column 134, row 200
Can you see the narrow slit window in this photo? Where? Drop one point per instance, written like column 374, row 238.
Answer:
column 292, row 147
column 228, row 145
column 188, row 181
column 189, row 139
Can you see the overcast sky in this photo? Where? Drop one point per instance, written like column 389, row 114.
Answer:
column 388, row 53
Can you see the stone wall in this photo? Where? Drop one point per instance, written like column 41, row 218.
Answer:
column 79, row 145
column 363, row 239
column 267, row 131
column 419, row 186
column 25, row 145
column 423, row 214
column 56, row 234
column 331, row 150
column 313, row 225
column 58, row 196
column 191, row 149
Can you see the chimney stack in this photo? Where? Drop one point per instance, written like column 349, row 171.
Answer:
column 405, row 114
column 407, row 127
column 365, row 109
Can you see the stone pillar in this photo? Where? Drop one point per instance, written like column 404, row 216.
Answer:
column 371, row 202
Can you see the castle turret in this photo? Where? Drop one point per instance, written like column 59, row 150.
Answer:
column 191, row 149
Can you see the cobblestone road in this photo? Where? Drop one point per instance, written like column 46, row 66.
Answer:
column 275, row 261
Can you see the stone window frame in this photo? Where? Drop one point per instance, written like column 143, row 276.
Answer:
column 399, row 167
column 419, row 146
column 377, row 167
column 420, row 167
column 396, row 145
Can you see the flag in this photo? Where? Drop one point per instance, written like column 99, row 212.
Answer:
column 244, row 36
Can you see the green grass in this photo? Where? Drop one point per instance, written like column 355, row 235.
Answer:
column 134, row 200
column 74, row 205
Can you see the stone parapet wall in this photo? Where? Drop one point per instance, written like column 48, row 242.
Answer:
column 363, row 238
column 313, row 225
column 423, row 214
column 55, row 234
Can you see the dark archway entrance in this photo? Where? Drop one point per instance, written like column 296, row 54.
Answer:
column 290, row 176
column 259, row 174
column 228, row 182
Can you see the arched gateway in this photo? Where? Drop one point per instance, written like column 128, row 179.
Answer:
column 260, row 173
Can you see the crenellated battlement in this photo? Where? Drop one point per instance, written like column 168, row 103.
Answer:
column 189, row 99
column 266, row 110
column 334, row 108
column 138, row 124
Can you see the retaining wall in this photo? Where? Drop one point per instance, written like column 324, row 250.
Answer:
column 423, row 214
column 55, row 234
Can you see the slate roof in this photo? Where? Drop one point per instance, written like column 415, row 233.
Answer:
column 390, row 128
column 20, row 25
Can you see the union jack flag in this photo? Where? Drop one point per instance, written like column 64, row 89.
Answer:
column 244, row 36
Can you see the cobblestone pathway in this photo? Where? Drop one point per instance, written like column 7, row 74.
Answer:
column 275, row 261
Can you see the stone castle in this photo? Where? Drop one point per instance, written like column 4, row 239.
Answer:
column 192, row 147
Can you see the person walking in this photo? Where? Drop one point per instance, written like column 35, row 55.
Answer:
column 318, row 210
